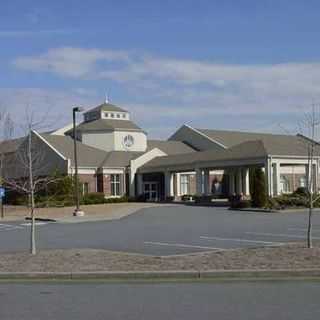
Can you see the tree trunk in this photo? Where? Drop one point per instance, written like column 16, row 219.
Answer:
column 309, row 233
column 33, row 238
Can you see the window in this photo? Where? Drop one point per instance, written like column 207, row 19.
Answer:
column 85, row 188
column 106, row 114
column 118, row 115
column 112, row 115
column 115, row 184
column 284, row 184
column 302, row 182
column 184, row 184
column 123, row 115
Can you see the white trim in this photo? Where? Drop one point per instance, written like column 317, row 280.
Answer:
column 204, row 135
column 49, row 145
column 112, row 171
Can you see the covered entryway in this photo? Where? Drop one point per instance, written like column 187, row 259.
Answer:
column 151, row 191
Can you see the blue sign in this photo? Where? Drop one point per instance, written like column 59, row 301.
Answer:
column 2, row 192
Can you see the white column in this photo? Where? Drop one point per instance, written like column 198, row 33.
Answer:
column 239, row 181
column 139, row 184
column 124, row 184
column 315, row 177
column 198, row 181
column 269, row 177
column 168, row 181
column 178, row 184
column 276, row 178
column 231, row 182
column 206, row 182
column 246, row 189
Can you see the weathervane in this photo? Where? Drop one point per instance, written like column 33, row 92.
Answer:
column 107, row 98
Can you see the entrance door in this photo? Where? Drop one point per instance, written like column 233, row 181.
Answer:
column 151, row 191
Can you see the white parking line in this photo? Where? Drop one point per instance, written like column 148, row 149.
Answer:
column 240, row 240
column 283, row 235
column 303, row 229
column 10, row 226
column 28, row 224
column 181, row 245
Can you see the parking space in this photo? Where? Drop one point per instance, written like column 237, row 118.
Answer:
column 168, row 230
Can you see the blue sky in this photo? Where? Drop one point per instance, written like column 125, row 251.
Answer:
column 247, row 65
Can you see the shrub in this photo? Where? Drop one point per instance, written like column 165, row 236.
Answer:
column 291, row 200
column 237, row 202
column 272, row 203
column 116, row 200
column 301, row 191
column 258, row 195
column 93, row 198
column 187, row 197
column 202, row 199
column 242, row 204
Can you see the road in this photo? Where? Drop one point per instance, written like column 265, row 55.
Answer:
column 224, row 300
column 167, row 230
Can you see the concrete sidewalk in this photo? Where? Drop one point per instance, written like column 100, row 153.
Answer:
column 109, row 211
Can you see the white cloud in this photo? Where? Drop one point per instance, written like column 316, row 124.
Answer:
column 69, row 62
column 188, row 90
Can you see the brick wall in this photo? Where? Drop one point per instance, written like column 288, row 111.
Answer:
column 91, row 179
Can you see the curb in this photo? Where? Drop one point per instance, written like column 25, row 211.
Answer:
column 41, row 219
column 167, row 275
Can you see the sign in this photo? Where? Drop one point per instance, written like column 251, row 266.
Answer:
column 2, row 192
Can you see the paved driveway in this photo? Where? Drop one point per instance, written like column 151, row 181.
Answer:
column 167, row 230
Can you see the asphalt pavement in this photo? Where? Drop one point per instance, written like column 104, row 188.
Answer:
column 167, row 230
column 157, row 301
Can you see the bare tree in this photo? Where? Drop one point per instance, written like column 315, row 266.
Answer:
column 309, row 127
column 6, row 132
column 27, row 170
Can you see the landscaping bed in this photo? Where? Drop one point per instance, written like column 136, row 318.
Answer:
column 293, row 256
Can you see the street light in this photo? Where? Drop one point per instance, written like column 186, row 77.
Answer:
column 77, row 212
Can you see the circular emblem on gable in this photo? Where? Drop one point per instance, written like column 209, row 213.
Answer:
column 128, row 141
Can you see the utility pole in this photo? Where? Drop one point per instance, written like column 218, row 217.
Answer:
column 77, row 212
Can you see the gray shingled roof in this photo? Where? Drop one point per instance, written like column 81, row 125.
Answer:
column 107, row 107
column 232, row 138
column 116, row 159
column 169, row 147
column 251, row 149
column 87, row 156
column 93, row 157
column 107, row 124
column 11, row 145
column 247, row 150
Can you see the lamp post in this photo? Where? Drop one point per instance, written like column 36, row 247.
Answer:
column 77, row 212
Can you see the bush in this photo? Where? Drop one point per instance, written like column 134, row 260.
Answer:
column 117, row 200
column 272, row 203
column 237, row 202
column 242, row 204
column 99, row 198
column 259, row 194
column 301, row 191
column 187, row 197
column 291, row 200
column 203, row 199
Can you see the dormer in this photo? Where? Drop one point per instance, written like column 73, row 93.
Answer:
column 108, row 127
column 106, row 111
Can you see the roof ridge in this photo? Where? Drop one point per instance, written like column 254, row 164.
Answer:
column 246, row 132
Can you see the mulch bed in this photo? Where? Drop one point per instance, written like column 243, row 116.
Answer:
column 293, row 256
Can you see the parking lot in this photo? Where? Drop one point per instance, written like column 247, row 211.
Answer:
column 166, row 231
